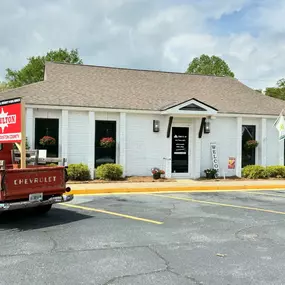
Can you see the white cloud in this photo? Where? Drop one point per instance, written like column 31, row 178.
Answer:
column 181, row 49
column 271, row 16
column 161, row 34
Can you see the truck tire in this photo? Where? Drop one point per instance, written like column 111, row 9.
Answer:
column 43, row 209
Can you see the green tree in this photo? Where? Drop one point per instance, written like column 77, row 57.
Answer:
column 207, row 65
column 281, row 83
column 277, row 92
column 3, row 86
column 33, row 71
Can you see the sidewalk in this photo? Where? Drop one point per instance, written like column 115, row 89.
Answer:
column 182, row 185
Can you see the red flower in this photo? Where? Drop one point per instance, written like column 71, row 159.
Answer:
column 47, row 140
column 107, row 142
column 251, row 144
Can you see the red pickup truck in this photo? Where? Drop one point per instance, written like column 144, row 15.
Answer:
column 37, row 187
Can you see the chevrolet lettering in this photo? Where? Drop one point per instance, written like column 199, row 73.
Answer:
column 35, row 180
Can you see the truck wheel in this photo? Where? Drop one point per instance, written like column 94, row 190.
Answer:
column 43, row 209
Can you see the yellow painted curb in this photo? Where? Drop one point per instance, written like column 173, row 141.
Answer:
column 176, row 189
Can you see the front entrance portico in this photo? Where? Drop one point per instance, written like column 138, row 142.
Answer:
column 187, row 124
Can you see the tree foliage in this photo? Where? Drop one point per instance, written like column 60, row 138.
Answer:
column 281, row 83
column 277, row 92
column 3, row 86
column 33, row 71
column 207, row 65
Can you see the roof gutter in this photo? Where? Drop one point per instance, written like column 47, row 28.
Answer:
column 232, row 115
column 153, row 112
column 91, row 109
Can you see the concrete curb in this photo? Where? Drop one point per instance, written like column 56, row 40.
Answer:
column 176, row 189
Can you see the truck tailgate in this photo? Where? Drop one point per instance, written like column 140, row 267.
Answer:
column 18, row 184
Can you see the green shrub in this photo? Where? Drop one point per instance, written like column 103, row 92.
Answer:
column 211, row 173
column 52, row 164
column 254, row 172
column 109, row 171
column 277, row 171
column 78, row 172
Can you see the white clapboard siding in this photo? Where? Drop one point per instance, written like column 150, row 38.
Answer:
column 78, row 123
column 144, row 148
column 272, row 146
column 224, row 134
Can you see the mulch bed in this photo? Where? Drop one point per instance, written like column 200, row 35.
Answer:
column 132, row 179
column 141, row 179
column 234, row 179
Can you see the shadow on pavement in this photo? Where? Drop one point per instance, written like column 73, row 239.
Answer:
column 23, row 220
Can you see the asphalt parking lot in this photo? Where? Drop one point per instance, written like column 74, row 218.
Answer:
column 170, row 238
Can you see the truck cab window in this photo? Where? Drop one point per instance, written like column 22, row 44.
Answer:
column 1, row 146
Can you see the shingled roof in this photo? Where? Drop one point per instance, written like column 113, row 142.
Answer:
column 121, row 88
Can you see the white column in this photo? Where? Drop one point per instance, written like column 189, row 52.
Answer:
column 281, row 152
column 168, row 151
column 91, row 143
column 167, row 165
column 239, row 146
column 196, row 154
column 64, row 134
column 30, row 127
column 123, row 141
column 263, row 148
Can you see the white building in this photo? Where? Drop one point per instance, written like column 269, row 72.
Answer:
column 80, row 104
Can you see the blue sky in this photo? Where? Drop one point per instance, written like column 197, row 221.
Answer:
column 231, row 23
column 150, row 34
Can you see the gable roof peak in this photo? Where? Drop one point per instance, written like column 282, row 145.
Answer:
column 134, row 69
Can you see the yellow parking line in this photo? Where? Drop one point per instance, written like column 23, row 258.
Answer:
column 267, row 194
column 113, row 213
column 220, row 204
column 130, row 192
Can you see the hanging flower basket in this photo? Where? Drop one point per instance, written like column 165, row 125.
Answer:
column 251, row 144
column 107, row 142
column 47, row 140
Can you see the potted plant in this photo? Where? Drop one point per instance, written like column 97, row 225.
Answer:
column 251, row 144
column 211, row 173
column 156, row 173
column 162, row 174
column 107, row 142
column 47, row 140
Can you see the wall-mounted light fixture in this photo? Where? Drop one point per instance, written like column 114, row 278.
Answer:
column 207, row 127
column 156, row 126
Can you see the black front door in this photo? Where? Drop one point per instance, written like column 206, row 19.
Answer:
column 180, row 160
column 248, row 155
column 47, row 127
column 104, row 155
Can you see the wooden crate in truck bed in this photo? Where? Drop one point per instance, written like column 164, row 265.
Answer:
column 32, row 158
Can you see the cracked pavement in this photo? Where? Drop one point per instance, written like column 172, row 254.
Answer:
column 196, row 244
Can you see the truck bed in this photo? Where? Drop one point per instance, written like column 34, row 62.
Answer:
column 24, row 184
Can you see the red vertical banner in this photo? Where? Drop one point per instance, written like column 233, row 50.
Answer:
column 10, row 121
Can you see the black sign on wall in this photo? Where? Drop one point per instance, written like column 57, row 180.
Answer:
column 180, row 141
